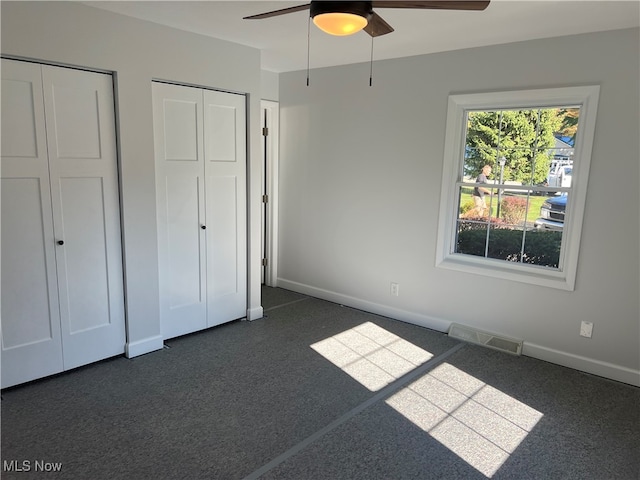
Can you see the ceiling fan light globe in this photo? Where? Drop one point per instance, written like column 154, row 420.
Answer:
column 339, row 23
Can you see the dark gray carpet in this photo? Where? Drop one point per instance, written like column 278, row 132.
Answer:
column 253, row 399
column 278, row 297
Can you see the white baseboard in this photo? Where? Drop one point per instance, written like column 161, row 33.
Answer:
column 255, row 313
column 433, row 323
column 140, row 347
column 584, row 364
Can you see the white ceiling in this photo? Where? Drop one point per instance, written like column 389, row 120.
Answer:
column 283, row 40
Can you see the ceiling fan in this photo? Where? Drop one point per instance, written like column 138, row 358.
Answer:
column 347, row 18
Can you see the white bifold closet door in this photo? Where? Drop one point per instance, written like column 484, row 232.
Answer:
column 62, row 285
column 200, row 150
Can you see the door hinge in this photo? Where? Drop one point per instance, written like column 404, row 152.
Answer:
column 265, row 198
column 265, row 262
column 265, row 131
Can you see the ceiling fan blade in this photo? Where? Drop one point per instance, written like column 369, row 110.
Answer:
column 377, row 26
column 434, row 4
column 275, row 13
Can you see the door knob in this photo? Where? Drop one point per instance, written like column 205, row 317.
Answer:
column 60, row 242
column 204, row 227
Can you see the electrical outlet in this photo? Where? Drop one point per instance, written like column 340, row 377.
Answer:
column 395, row 289
column 586, row 329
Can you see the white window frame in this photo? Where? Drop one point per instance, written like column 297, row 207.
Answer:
column 586, row 97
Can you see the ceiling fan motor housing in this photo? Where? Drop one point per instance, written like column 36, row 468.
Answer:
column 363, row 9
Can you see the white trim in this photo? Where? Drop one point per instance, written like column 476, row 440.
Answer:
column 140, row 347
column 458, row 105
column 584, row 364
column 255, row 313
column 271, row 248
column 565, row 359
column 433, row 323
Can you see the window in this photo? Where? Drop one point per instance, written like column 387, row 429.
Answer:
column 514, row 184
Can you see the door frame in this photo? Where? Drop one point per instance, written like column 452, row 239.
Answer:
column 270, row 119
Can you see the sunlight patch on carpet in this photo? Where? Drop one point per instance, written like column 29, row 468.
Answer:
column 372, row 355
column 476, row 421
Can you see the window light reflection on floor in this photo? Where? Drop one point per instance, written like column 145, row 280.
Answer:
column 477, row 422
column 372, row 355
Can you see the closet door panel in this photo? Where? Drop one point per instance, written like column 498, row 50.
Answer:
column 221, row 132
column 222, row 210
column 177, row 121
column 75, row 116
column 20, row 135
column 25, row 288
column 24, row 142
column 30, row 329
column 181, row 129
column 31, row 344
column 79, row 109
column 226, row 207
column 85, row 265
column 185, row 275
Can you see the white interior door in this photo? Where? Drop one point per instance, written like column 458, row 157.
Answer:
column 31, row 339
column 79, row 110
column 177, row 121
column 226, row 205
column 270, row 147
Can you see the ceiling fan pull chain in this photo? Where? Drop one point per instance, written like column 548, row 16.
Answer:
column 308, row 46
column 371, row 65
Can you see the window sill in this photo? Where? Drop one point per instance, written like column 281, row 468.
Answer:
column 530, row 274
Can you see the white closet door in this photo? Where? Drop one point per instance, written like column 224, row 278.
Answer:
column 225, row 173
column 200, row 144
column 177, row 120
column 31, row 343
column 79, row 110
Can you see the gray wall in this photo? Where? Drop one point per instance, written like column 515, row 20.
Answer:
column 74, row 34
column 269, row 84
column 360, row 180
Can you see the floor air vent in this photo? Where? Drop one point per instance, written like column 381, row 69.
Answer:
column 490, row 340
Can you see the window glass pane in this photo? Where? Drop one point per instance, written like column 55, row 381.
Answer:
column 518, row 129
column 541, row 166
column 534, row 144
column 521, row 227
column 542, row 247
column 552, row 212
column 514, row 166
column 471, row 236
column 482, row 138
column 483, row 129
column 465, row 202
column 505, row 243
column 471, row 206
column 474, row 159
column 542, row 242
column 513, row 209
column 565, row 122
